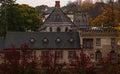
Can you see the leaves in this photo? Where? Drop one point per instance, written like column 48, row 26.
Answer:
column 19, row 18
column 107, row 18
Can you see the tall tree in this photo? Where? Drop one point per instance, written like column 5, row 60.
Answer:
column 16, row 17
column 4, row 5
column 23, row 18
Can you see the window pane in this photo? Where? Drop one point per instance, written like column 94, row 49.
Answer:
column 112, row 41
column 59, row 54
column 98, row 42
column 71, row 54
column 44, row 53
column 87, row 43
column 98, row 55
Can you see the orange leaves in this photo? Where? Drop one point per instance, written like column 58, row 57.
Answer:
column 107, row 18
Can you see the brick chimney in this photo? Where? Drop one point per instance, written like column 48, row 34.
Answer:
column 57, row 4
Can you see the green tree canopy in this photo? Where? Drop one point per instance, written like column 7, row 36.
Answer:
column 23, row 18
column 15, row 17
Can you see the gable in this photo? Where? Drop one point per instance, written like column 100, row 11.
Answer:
column 57, row 18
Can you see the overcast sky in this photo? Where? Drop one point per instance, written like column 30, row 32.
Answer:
column 42, row 2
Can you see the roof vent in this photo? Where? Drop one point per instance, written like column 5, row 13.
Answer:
column 57, row 4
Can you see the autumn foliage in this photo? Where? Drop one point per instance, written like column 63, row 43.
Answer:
column 23, row 61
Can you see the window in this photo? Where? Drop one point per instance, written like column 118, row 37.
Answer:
column 59, row 54
column 113, row 55
column 98, row 42
column 45, row 53
column 71, row 40
column 50, row 29
column 112, row 41
column 58, row 40
column 71, row 54
column 66, row 29
column 87, row 43
column 45, row 40
column 58, row 29
column 98, row 55
column 32, row 40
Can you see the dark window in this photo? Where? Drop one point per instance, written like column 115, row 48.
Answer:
column 32, row 40
column 59, row 54
column 113, row 41
column 45, row 53
column 58, row 40
column 50, row 29
column 71, row 40
column 98, row 42
column 66, row 29
column 113, row 55
column 98, row 55
column 71, row 54
column 58, row 29
column 45, row 40
column 87, row 43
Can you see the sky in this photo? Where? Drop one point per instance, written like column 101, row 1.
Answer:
column 43, row 2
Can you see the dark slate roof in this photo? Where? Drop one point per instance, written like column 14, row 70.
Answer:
column 2, row 44
column 19, row 38
column 57, row 17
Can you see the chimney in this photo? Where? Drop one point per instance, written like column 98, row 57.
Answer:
column 57, row 4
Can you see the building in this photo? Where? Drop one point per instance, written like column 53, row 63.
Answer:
column 60, row 36
column 98, row 43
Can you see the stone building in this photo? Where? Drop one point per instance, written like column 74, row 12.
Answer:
column 60, row 36
column 98, row 43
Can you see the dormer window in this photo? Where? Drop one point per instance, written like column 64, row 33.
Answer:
column 32, row 40
column 58, row 29
column 66, row 29
column 71, row 40
column 50, row 29
column 58, row 40
column 45, row 40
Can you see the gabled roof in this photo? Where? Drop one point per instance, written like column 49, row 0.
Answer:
column 57, row 17
column 41, row 40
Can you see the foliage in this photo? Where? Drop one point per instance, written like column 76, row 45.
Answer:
column 4, row 4
column 106, row 19
column 41, row 8
column 19, row 18
column 28, row 19
column 21, row 61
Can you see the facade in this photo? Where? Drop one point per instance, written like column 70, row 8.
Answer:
column 102, row 40
column 60, row 36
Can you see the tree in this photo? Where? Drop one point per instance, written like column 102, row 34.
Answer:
column 25, row 18
column 4, row 4
column 41, row 8
column 105, row 19
column 16, row 17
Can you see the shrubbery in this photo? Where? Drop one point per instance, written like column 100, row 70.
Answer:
column 20, row 61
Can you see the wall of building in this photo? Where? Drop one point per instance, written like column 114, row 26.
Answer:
column 105, row 37
column 65, row 58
